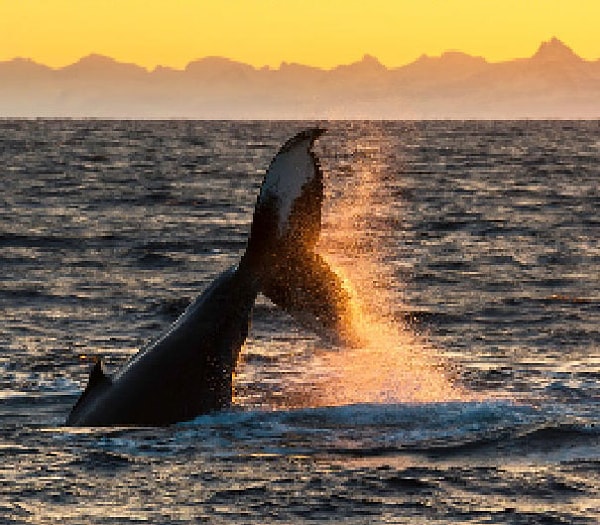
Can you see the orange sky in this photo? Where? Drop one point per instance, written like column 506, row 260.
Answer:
column 266, row 32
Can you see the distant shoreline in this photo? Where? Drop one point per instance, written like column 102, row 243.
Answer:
column 554, row 83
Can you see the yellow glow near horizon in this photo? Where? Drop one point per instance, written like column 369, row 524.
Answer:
column 321, row 33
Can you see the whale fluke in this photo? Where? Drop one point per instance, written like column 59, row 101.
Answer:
column 285, row 230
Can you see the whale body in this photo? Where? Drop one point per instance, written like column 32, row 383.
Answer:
column 188, row 370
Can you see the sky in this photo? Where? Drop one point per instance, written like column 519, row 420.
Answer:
column 322, row 33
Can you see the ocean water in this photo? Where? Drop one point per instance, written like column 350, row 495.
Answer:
column 473, row 253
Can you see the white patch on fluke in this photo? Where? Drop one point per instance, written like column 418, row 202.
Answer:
column 289, row 171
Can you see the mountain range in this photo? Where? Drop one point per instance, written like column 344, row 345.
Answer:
column 553, row 83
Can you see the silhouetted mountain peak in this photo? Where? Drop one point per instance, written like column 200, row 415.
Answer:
column 96, row 58
column 216, row 65
column 100, row 65
column 367, row 65
column 450, row 65
column 459, row 56
column 555, row 50
column 450, row 58
column 22, row 65
column 371, row 62
column 93, row 61
column 21, row 61
column 291, row 65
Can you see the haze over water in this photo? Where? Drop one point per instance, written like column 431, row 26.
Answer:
column 472, row 247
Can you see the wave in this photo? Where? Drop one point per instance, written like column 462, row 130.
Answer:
column 441, row 429
column 435, row 430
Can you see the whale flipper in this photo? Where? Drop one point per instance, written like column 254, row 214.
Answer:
column 188, row 370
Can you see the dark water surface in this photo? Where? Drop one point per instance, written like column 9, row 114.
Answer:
column 486, row 237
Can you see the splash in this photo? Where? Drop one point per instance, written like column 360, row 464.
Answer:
column 390, row 363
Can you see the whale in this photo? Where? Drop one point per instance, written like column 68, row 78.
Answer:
column 188, row 370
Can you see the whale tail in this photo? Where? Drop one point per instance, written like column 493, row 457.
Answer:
column 281, row 247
